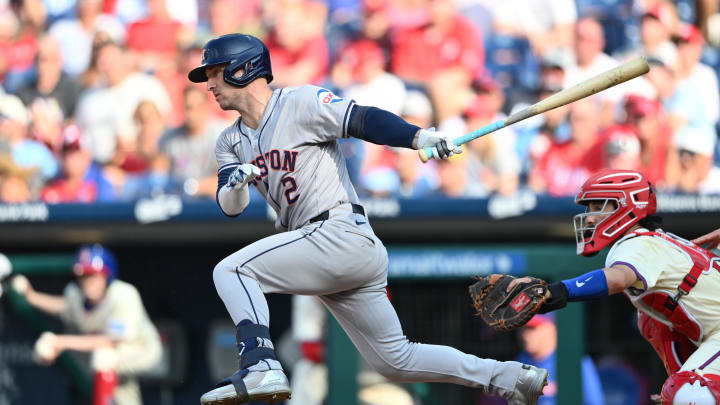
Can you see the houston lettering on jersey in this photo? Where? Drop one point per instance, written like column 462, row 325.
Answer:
column 284, row 161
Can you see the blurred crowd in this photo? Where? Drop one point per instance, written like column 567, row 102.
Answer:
column 95, row 104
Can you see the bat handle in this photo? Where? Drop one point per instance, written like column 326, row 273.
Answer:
column 427, row 153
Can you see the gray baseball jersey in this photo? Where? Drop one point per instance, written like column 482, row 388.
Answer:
column 339, row 259
column 303, row 172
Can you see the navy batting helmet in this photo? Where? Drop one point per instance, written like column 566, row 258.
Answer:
column 240, row 52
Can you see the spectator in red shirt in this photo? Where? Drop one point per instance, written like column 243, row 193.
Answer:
column 566, row 165
column 18, row 41
column 82, row 181
column 447, row 42
column 298, row 49
column 649, row 122
column 621, row 149
column 154, row 39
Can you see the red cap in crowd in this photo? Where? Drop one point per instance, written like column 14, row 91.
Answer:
column 638, row 106
column 690, row 34
column 72, row 138
column 356, row 54
column 540, row 319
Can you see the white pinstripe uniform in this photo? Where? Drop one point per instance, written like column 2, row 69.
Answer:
column 661, row 263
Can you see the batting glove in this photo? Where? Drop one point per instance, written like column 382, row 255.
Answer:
column 443, row 145
column 242, row 175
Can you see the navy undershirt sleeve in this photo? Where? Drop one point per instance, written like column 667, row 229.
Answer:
column 380, row 127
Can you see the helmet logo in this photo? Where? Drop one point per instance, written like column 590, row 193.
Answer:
column 204, row 56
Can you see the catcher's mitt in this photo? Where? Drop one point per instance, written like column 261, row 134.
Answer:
column 506, row 310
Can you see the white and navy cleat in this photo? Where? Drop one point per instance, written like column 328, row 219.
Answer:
column 529, row 386
column 266, row 386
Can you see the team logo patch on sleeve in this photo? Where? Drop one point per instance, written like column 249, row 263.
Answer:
column 326, row 97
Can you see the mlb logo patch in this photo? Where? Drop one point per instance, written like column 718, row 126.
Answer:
column 326, row 97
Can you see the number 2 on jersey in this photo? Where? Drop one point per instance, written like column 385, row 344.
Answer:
column 290, row 187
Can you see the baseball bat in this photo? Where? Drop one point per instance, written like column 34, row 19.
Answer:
column 596, row 84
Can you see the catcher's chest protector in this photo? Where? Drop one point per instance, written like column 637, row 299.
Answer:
column 666, row 306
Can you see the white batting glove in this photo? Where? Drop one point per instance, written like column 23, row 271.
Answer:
column 443, row 145
column 242, row 175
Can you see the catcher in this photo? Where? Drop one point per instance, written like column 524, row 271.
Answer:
column 673, row 283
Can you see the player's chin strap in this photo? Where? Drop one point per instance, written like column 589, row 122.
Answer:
column 248, row 336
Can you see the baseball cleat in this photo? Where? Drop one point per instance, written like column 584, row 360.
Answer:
column 266, row 386
column 529, row 386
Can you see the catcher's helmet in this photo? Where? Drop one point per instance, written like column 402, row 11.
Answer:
column 239, row 51
column 634, row 200
column 95, row 259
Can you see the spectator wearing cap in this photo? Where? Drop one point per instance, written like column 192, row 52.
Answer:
column 297, row 46
column 81, row 181
column 539, row 341
column 191, row 146
column 647, row 119
column 27, row 153
column 690, row 43
column 566, row 164
column 106, row 112
column 103, row 316
column 657, row 24
column 690, row 163
column 75, row 35
column 50, row 81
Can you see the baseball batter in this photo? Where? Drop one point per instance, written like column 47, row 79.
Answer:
column 105, row 313
column 673, row 282
column 284, row 143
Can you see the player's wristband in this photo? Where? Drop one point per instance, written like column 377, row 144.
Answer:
column 589, row 286
column 558, row 298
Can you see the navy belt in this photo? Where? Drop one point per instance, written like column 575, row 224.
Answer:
column 356, row 209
